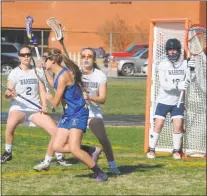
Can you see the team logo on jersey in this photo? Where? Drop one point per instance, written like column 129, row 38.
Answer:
column 63, row 120
column 74, row 121
column 176, row 72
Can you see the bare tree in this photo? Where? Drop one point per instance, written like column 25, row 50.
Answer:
column 123, row 34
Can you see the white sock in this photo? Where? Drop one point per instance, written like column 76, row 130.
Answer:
column 153, row 138
column 59, row 155
column 8, row 148
column 48, row 158
column 112, row 164
column 177, row 140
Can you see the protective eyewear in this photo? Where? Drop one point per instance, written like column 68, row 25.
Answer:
column 25, row 54
column 45, row 58
column 89, row 56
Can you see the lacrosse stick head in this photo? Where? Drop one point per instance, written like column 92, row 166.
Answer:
column 55, row 25
column 30, row 35
column 196, row 39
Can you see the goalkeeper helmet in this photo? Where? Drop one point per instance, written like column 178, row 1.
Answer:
column 173, row 44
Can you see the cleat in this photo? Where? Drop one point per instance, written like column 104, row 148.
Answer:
column 7, row 156
column 63, row 162
column 115, row 171
column 101, row 177
column 43, row 166
column 151, row 153
column 176, row 155
column 96, row 153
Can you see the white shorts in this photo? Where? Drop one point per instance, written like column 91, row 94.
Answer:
column 28, row 114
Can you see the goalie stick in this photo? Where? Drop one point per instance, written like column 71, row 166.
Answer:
column 196, row 42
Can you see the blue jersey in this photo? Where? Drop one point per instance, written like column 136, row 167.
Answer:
column 75, row 111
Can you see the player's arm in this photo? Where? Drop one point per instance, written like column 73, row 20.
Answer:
column 62, row 83
column 63, row 103
column 190, row 73
column 41, row 66
column 172, row 84
column 102, row 92
column 165, row 83
column 49, row 78
column 42, row 91
column 10, row 94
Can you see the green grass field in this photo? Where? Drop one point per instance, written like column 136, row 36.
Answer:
column 140, row 176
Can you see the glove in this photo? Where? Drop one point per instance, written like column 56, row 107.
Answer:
column 191, row 63
column 182, row 85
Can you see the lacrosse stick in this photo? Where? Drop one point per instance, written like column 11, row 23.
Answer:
column 33, row 40
column 55, row 25
column 196, row 42
column 39, row 107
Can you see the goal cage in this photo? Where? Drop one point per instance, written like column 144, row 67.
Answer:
column 194, row 138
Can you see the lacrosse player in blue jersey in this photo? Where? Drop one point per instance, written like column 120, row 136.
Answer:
column 73, row 123
column 172, row 73
column 24, row 81
column 95, row 87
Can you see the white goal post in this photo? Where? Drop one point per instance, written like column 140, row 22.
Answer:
column 194, row 139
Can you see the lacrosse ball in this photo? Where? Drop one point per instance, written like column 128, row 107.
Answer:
column 53, row 39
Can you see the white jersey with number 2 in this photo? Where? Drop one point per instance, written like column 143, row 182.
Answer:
column 26, row 84
column 168, row 76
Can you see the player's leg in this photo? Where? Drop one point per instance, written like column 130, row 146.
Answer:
column 93, row 151
column 160, row 114
column 15, row 117
column 178, row 123
column 39, row 119
column 60, row 141
column 97, row 127
column 74, row 141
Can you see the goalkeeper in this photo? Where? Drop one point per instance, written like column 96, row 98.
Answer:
column 174, row 77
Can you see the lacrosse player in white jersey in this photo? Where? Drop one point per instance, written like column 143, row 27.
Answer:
column 24, row 81
column 172, row 73
column 95, row 85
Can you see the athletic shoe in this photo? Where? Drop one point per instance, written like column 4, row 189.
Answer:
column 42, row 166
column 7, row 156
column 176, row 155
column 101, row 177
column 96, row 153
column 63, row 162
column 151, row 153
column 115, row 171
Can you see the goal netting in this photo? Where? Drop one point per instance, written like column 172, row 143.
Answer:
column 194, row 140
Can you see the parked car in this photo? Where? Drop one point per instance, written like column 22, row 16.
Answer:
column 144, row 68
column 8, row 63
column 129, row 52
column 10, row 48
column 129, row 65
column 100, row 52
column 9, row 56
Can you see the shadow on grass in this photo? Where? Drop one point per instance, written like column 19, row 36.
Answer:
column 127, row 169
